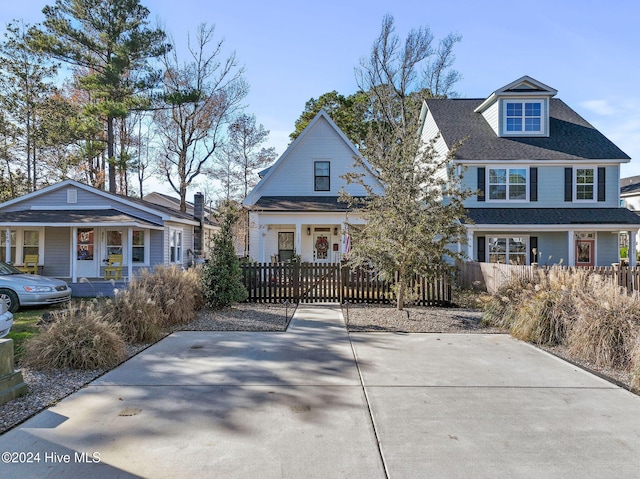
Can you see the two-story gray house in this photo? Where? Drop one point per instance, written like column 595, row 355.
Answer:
column 547, row 182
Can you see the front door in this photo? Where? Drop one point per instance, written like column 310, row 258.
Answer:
column 585, row 252
column 322, row 247
column 87, row 263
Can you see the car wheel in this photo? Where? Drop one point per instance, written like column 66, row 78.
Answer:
column 11, row 299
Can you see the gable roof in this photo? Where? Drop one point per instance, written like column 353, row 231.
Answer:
column 163, row 212
column 268, row 172
column 523, row 86
column 570, row 137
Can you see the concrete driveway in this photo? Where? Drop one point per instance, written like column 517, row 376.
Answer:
column 318, row 402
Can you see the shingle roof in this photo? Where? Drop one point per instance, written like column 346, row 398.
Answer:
column 570, row 136
column 300, row 203
column 48, row 217
column 630, row 184
column 553, row 216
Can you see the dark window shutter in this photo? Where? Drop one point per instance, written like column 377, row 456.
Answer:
column 533, row 184
column 481, row 183
column 533, row 244
column 482, row 257
column 602, row 184
column 568, row 184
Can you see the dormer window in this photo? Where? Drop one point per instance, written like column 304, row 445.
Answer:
column 523, row 117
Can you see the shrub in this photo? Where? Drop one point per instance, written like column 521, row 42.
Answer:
column 79, row 338
column 635, row 365
column 606, row 326
column 137, row 314
column 500, row 309
column 221, row 276
column 176, row 292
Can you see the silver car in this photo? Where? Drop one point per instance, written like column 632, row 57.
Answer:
column 20, row 289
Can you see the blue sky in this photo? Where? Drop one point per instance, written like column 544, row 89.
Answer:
column 588, row 50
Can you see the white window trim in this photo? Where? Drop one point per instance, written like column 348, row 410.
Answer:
column 20, row 244
column 595, row 184
column 488, row 184
column 147, row 240
column 172, row 237
column 527, row 243
column 544, row 117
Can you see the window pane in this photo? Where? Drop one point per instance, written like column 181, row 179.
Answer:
column 497, row 258
column 532, row 109
column 514, row 109
column 584, row 192
column 584, row 175
column 518, row 176
column 3, row 246
column 497, row 245
column 517, row 245
column 532, row 124
column 138, row 238
column 498, row 176
column 31, row 238
column 497, row 192
column 285, row 241
column 518, row 192
column 514, row 124
column 137, row 254
column 322, row 183
column 322, row 168
column 517, row 259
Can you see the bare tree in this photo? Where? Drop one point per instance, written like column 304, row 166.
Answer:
column 201, row 97
column 409, row 227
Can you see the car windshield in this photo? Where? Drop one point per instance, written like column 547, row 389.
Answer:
column 8, row 269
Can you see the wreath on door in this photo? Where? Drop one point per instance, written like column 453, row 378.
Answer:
column 322, row 244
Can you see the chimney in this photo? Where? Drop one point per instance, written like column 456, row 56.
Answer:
column 198, row 213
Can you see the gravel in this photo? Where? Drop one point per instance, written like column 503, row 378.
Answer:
column 46, row 388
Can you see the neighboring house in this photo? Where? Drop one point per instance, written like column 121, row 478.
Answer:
column 210, row 223
column 73, row 228
column 630, row 199
column 547, row 182
column 294, row 209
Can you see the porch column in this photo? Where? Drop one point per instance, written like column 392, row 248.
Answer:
column 129, row 253
column 470, row 245
column 298, row 238
column 571, row 248
column 7, row 245
column 74, row 252
column 632, row 248
column 261, row 234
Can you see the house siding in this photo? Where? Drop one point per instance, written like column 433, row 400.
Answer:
column 57, row 251
column 492, row 115
column 550, row 189
column 295, row 176
column 606, row 248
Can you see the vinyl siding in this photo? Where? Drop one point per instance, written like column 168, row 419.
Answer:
column 552, row 248
column 492, row 115
column 606, row 248
column 295, row 175
column 550, row 189
column 57, row 250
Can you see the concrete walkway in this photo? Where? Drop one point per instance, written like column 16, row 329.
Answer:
column 317, row 402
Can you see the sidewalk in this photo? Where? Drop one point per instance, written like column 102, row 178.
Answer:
column 299, row 405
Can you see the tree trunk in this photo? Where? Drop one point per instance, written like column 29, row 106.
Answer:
column 401, row 288
column 111, row 155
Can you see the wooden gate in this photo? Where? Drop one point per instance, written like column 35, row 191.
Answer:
column 318, row 282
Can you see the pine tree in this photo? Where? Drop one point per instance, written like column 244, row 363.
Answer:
column 221, row 276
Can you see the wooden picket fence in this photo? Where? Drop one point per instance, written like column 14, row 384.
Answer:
column 492, row 276
column 333, row 282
